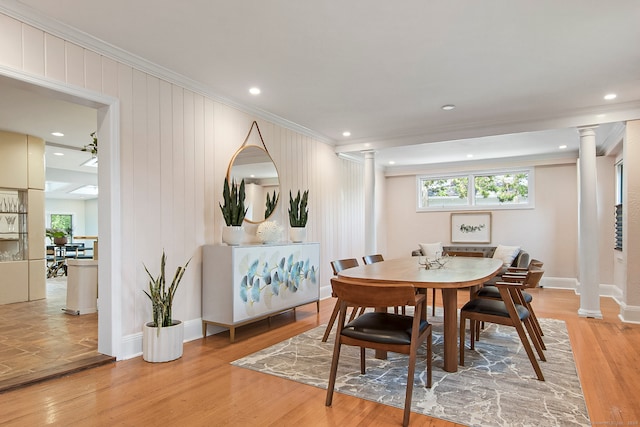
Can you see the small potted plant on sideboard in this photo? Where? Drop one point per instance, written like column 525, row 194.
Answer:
column 233, row 212
column 298, row 214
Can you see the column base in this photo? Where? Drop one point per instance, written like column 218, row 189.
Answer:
column 596, row 314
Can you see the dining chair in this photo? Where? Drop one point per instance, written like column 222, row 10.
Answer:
column 534, row 263
column 506, row 311
column 529, row 281
column 337, row 266
column 370, row 259
column 380, row 330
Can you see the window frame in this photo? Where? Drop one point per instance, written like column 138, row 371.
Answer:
column 471, row 196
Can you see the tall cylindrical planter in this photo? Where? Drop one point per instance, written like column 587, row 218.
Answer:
column 232, row 235
column 162, row 344
column 297, row 234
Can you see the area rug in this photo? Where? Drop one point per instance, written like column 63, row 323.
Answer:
column 496, row 387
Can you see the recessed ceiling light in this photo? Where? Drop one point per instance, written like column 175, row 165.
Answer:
column 469, row 156
column 346, row 133
column 562, row 147
column 392, row 162
column 57, row 133
column 254, row 91
column 601, row 116
column 58, row 154
column 610, row 96
column 448, row 107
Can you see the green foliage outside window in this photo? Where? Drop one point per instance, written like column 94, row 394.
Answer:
column 488, row 189
column 62, row 222
column 504, row 187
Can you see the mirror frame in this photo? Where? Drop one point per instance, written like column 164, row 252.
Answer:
column 245, row 146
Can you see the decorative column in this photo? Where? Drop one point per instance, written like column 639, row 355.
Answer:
column 588, row 254
column 369, row 202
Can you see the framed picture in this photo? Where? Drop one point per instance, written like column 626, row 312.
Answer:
column 471, row 227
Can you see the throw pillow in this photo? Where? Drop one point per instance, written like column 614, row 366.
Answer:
column 506, row 253
column 431, row 250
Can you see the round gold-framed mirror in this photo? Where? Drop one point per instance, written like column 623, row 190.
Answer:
column 262, row 184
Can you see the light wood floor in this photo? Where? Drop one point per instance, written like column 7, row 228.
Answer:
column 38, row 340
column 203, row 389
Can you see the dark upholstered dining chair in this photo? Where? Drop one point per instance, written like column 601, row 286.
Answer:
column 528, row 281
column 338, row 266
column 381, row 330
column 508, row 311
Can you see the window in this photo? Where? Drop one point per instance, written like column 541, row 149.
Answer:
column 62, row 222
column 495, row 189
column 443, row 192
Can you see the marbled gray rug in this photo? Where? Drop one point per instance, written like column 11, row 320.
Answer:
column 496, row 387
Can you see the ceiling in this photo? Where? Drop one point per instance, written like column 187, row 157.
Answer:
column 382, row 70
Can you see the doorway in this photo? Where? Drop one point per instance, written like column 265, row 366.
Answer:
column 107, row 111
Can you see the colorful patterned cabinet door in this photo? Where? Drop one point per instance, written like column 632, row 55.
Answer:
column 242, row 284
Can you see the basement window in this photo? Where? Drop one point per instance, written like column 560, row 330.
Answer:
column 508, row 189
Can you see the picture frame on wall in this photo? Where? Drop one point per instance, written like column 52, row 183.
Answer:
column 471, row 227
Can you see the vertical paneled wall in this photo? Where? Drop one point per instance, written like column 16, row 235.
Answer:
column 175, row 146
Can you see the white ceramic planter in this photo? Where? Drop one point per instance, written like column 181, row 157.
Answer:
column 297, row 234
column 232, row 235
column 162, row 344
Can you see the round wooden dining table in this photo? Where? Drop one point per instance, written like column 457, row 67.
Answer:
column 457, row 273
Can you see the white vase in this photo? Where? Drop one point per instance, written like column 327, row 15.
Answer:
column 162, row 344
column 297, row 234
column 232, row 235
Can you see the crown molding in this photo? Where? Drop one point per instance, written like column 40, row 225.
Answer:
column 35, row 18
column 612, row 140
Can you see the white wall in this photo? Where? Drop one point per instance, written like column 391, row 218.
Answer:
column 175, row 145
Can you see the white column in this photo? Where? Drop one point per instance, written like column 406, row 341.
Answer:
column 369, row 202
column 588, row 254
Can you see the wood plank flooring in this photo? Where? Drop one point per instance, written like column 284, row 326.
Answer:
column 39, row 341
column 203, row 389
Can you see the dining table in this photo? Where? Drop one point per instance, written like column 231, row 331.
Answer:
column 457, row 273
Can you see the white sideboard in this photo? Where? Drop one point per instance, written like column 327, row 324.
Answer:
column 246, row 283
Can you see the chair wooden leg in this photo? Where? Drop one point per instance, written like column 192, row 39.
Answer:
column 333, row 372
column 536, row 323
column 527, row 346
column 410, row 378
column 332, row 320
column 362, row 359
column 535, row 338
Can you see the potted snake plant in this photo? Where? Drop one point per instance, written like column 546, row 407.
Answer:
column 163, row 337
column 233, row 212
column 298, row 214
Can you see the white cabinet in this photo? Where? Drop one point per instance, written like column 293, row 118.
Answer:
column 242, row 284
